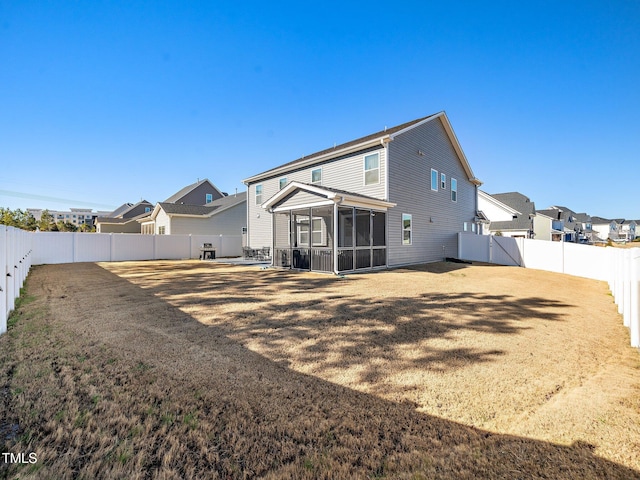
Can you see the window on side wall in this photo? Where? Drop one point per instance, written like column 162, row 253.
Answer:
column 208, row 198
column 454, row 190
column 161, row 230
column 372, row 169
column 434, row 180
column 316, row 176
column 443, row 181
column 406, row 229
column 283, row 182
column 258, row 194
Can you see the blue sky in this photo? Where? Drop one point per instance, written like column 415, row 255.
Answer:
column 106, row 102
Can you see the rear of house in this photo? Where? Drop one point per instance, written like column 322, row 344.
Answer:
column 396, row 197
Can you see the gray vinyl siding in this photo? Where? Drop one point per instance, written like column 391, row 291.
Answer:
column 345, row 173
column 138, row 210
column 301, row 198
column 229, row 222
column 198, row 196
column 435, row 218
column 129, row 227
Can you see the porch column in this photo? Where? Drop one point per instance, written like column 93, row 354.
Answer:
column 335, row 238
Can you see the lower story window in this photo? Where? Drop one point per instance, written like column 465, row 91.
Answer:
column 161, row 230
column 406, row 229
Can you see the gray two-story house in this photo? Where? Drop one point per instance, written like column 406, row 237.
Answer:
column 396, row 197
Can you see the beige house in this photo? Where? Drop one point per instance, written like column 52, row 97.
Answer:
column 224, row 216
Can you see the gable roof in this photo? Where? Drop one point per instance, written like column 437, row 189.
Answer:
column 523, row 207
column 118, row 211
column 210, row 209
column 120, row 220
column 374, row 139
column 494, row 199
column 189, row 188
column 124, row 213
column 333, row 194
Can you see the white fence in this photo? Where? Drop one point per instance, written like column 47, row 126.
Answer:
column 20, row 249
column 66, row 247
column 15, row 262
column 619, row 267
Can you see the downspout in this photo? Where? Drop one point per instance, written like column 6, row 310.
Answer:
column 385, row 145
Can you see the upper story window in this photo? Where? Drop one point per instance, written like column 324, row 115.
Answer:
column 258, row 194
column 406, row 229
column 316, row 176
column 147, row 209
column 443, row 181
column 283, row 182
column 372, row 169
column 208, row 198
column 454, row 190
column 434, row 180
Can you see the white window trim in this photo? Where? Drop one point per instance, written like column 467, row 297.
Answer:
column 433, row 170
column 320, row 181
column 364, row 169
column 259, row 186
column 410, row 229
column 322, row 232
column 443, row 181
column 281, row 181
column 454, row 190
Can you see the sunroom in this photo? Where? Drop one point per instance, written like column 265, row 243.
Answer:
column 326, row 230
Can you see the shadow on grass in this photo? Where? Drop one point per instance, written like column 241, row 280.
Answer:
column 281, row 306
column 273, row 422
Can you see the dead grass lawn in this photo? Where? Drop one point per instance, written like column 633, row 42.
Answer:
column 200, row 370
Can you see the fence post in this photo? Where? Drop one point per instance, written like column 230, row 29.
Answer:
column 634, row 321
column 626, row 299
column 490, row 248
column 4, row 312
column 612, row 269
column 620, row 281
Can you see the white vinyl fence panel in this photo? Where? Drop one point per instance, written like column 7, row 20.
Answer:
column 505, row 250
column 15, row 263
column 67, row 247
column 619, row 267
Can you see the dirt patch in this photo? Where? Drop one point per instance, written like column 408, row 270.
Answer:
column 192, row 369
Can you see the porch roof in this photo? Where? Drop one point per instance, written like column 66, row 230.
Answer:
column 320, row 195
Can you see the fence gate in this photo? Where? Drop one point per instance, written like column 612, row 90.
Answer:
column 505, row 251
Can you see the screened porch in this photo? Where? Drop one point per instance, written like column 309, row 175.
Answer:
column 330, row 238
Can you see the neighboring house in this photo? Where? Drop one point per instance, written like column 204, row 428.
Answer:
column 607, row 229
column 601, row 228
column 197, row 194
column 510, row 214
column 395, row 197
column 223, row 216
column 628, row 230
column 124, row 218
column 543, row 224
column 563, row 224
column 586, row 234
